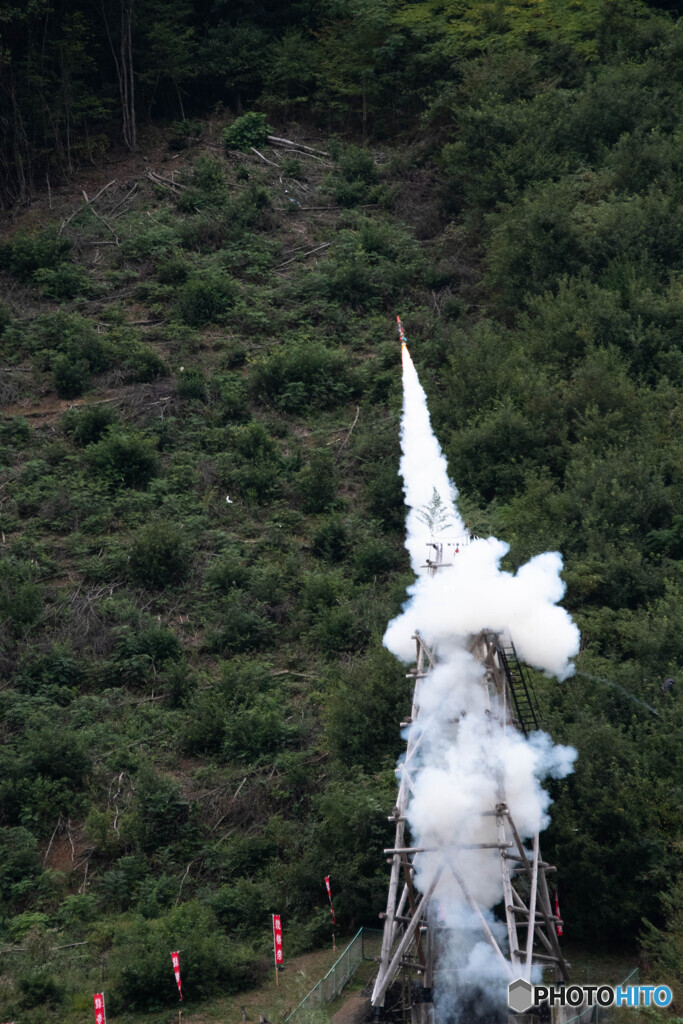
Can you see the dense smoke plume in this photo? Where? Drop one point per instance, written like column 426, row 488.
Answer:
column 469, row 759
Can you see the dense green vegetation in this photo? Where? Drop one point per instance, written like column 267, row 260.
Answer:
column 198, row 720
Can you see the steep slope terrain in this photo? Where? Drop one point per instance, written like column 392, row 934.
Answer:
column 202, row 522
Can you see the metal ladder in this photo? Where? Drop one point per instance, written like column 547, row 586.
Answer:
column 527, row 713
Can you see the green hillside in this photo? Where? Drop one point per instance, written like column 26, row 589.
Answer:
column 198, row 719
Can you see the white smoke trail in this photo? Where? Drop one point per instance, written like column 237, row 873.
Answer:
column 467, row 757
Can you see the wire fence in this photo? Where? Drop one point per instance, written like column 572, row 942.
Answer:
column 363, row 946
column 596, row 1014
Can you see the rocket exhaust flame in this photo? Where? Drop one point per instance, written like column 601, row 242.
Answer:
column 466, row 763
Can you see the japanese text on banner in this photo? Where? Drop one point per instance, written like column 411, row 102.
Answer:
column 100, row 1013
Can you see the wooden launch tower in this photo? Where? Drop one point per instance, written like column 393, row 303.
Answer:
column 412, row 932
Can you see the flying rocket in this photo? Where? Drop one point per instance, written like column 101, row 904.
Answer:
column 401, row 333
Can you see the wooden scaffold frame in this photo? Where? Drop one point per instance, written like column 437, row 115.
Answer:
column 410, row 940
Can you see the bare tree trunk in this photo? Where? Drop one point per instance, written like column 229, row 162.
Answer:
column 123, row 61
column 180, row 100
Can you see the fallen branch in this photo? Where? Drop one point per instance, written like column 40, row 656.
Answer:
column 310, row 156
column 288, row 142
column 187, row 870
column 346, row 439
column 96, row 214
column 47, row 852
column 80, row 208
column 235, row 795
column 122, row 202
column 159, row 179
column 303, row 255
column 265, row 158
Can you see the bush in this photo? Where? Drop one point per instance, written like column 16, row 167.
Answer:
column 142, row 365
column 331, row 542
column 292, row 168
column 172, row 271
column 338, row 630
column 227, row 573
column 258, row 461
column 354, row 178
column 158, row 555
column 246, row 131
column 19, row 866
column 40, row 989
column 257, row 730
column 64, row 282
column 241, row 908
column 318, row 482
column 89, row 425
column 72, row 336
column 183, row 133
column 23, row 605
column 207, row 186
column 245, row 628
column 202, row 300
column 71, row 376
column 127, row 459
column 27, row 253
column 363, row 710
column 301, row 374
column 191, row 384
column 209, row 962
column 157, row 644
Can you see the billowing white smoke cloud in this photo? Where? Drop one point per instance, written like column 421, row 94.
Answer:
column 469, row 759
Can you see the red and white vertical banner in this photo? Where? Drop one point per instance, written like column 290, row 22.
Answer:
column 558, row 924
column 175, row 960
column 329, row 896
column 100, row 1012
column 277, row 944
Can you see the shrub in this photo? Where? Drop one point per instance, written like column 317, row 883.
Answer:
column 375, row 557
column 158, row 555
column 27, row 253
column 23, row 605
column 244, row 627
column 292, row 168
column 369, row 698
column 158, row 644
column 202, row 300
column 210, row 963
column 183, row 133
column 331, row 542
column 19, row 865
column 5, row 318
column 71, row 376
column 246, row 131
column 318, row 482
column 172, row 271
column 73, row 336
column 204, row 729
column 338, row 630
column 40, row 989
column 142, row 365
column 150, row 241
column 89, row 425
column 301, row 374
column 258, row 461
column 257, row 729
column 63, row 282
column 227, row 573
column 207, row 187
column 127, row 459
column 191, row 384
column 355, row 176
